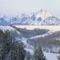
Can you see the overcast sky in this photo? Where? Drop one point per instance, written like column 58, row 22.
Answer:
column 16, row 7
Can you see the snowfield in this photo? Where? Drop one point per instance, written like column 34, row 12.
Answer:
column 51, row 56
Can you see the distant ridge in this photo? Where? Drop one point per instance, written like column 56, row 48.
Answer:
column 41, row 17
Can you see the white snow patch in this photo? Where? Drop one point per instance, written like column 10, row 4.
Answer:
column 51, row 56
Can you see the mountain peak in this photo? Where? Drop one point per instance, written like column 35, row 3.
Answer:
column 43, row 14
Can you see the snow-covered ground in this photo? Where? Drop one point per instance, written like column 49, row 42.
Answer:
column 51, row 56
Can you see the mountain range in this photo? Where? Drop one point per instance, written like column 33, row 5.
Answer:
column 37, row 18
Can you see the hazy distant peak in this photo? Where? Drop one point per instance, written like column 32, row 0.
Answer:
column 43, row 14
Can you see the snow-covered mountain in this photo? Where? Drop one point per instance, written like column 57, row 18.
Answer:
column 51, row 21
column 41, row 17
column 43, row 14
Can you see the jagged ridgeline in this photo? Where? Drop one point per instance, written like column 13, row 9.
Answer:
column 12, row 47
column 37, row 18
